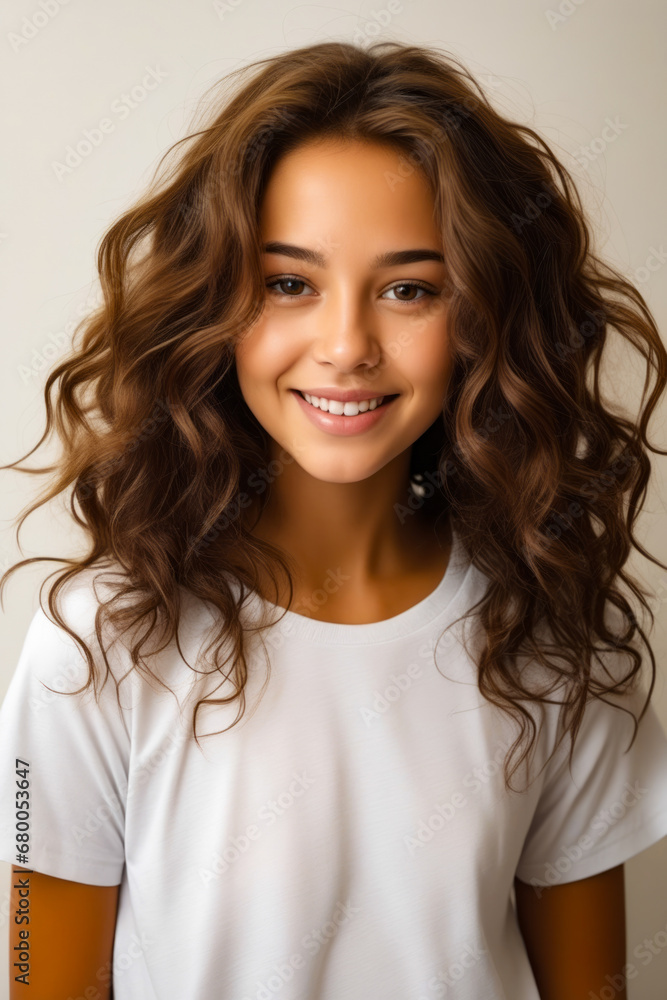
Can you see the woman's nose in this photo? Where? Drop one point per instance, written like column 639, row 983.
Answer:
column 348, row 333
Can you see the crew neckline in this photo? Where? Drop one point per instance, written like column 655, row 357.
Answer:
column 406, row 622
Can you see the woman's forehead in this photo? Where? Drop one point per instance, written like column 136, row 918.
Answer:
column 345, row 189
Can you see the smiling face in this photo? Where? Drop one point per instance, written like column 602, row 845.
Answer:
column 338, row 317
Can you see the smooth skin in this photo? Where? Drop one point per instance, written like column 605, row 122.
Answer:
column 72, row 928
column 347, row 323
column 575, row 935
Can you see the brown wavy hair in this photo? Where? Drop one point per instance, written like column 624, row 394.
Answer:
column 530, row 464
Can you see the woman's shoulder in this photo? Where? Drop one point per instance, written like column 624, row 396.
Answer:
column 108, row 587
column 123, row 638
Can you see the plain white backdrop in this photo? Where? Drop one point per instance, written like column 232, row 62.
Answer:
column 589, row 75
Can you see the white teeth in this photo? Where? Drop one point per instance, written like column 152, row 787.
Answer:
column 343, row 409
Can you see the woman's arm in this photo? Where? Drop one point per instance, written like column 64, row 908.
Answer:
column 575, row 935
column 71, row 937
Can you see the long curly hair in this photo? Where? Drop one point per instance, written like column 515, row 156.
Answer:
column 532, row 467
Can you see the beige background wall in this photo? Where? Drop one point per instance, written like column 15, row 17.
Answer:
column 590, row 75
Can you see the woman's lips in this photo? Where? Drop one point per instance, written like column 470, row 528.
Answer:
column 338, row 424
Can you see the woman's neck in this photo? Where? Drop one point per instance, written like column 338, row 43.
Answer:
column 360, row 584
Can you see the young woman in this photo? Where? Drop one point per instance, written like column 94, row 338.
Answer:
column 343, row 700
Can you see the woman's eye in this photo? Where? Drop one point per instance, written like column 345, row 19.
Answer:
column 294, row 293
column 410, row 285
column 272, row 285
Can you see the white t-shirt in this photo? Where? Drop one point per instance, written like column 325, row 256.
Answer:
column 350, row 838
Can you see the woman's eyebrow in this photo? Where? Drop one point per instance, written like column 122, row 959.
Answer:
column 390, row 259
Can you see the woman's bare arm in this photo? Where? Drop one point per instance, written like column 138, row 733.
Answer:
column 70, row 937
column 575, row 935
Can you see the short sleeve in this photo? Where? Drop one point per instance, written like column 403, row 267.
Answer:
column 610, row 806
column 64, row 760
